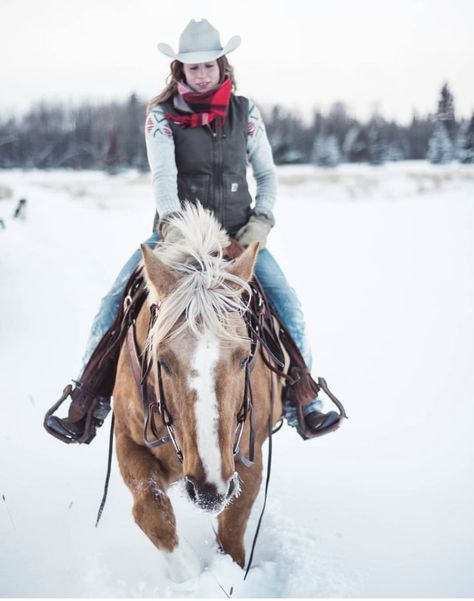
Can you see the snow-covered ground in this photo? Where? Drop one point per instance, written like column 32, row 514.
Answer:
column 383, row 260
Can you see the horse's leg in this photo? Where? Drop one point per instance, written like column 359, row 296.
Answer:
column 152, row 509
column 233, row 520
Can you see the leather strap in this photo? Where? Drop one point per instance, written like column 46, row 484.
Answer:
column 147, row 392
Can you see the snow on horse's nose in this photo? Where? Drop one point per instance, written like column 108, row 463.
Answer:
column 206, row 496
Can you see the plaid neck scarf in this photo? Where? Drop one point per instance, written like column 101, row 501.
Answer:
column 207, row 106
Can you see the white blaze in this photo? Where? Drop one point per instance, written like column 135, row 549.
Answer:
column 202, row 380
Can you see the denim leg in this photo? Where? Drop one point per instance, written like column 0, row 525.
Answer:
column 284, row 301
column 110, row 303
column 287, row 306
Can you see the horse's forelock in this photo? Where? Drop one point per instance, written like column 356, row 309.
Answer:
column 206, row 293
column 197, row 236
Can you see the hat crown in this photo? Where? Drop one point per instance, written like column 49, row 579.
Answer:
column 199, row 36
column 200, row 42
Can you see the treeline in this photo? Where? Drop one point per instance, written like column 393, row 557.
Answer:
column 110, row 136
column 337, row 137
column 90, row 136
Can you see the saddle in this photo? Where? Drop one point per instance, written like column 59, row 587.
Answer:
column 91, row 396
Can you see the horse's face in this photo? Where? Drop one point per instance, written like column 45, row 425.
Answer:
column 203, row 381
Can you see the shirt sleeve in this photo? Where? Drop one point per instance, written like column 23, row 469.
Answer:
column 162, row 161
column 259, row 155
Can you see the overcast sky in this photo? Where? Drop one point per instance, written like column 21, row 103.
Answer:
column 372, row 54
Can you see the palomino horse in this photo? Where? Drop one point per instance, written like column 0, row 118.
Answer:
column 199, row 352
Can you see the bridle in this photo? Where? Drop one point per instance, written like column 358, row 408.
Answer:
column 156, row 404
column 153, row 404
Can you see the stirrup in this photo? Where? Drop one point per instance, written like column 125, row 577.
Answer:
column 301, row 427
column 82, row 430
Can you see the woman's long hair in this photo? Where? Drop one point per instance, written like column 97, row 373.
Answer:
column 226, row 71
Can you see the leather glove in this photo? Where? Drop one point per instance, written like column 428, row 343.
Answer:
column 256, row 229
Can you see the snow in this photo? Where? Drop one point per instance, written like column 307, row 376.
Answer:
column 381, row 508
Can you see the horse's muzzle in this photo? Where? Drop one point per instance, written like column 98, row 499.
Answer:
column 206, row 496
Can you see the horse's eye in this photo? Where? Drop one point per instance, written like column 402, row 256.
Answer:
column 243, row 362
column 166, row 367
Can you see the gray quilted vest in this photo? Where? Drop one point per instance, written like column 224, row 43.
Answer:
column 212, row 164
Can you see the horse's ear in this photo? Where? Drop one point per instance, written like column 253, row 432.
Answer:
column 244, row 265
column 158, row 275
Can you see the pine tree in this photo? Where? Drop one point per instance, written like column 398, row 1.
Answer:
column 112, row 153
column 334, row 154
column 376, row 141
column 440, row 147
column 132, row 131
column 326, row 151
column 418, row 135
column 442, row 144
column 445, row 112
column 356, row 144
column 467, row 146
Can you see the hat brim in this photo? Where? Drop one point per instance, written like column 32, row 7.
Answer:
column 200, row 56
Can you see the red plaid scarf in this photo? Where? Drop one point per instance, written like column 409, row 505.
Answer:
column 206, row 106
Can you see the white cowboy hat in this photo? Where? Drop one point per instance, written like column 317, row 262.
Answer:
column 200, row 42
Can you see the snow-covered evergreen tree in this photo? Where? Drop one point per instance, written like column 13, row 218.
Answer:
column 350, row 139
column 356, row 144
column 445, row 112
column 326, row 151
column 466, row 150
column 442, row 144
column 334, row 154
column 441, row 148
column 396, row 142
column 376, row 141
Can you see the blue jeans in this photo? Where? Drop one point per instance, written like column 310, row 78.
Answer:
column 110, row 303
column 281, row 295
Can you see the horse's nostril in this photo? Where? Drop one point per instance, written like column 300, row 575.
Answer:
column 190, row 488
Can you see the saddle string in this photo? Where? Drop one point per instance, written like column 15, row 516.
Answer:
column 109, row 469
column 267, row 480
column 267, row 336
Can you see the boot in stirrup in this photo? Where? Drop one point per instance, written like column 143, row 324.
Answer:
column 319, row 423
column 86, row 413
column 312, row 422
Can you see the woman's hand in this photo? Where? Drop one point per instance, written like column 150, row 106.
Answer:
column 256, row 229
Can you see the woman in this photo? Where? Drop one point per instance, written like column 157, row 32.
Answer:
column 199, row 138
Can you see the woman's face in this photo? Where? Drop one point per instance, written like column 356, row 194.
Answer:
column 202, row 77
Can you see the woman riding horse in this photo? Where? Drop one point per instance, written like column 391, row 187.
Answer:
column 200, row 137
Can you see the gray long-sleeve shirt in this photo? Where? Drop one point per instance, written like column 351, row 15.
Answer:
column 164, row 172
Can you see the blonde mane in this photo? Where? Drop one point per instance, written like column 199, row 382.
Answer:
column 207, row 295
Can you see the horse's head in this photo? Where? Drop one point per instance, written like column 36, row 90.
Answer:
column 200, row 349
